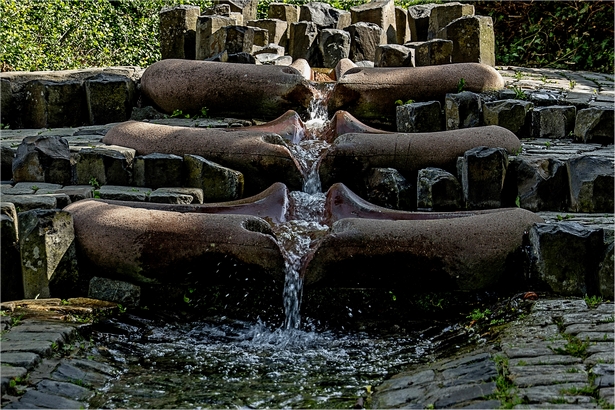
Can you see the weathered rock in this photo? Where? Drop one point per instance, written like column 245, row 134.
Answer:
column 241, row 58
column 324, row 15
column 432, row 52
column 177, row 195
column 470, row 253
column 110, row 98
column 303, row 42
column 381, row 12
column 576, row 273
column 473, row 39
column 34, row 398
column 178, row 31
column 277, row 29
column 124, row 293
column 591, row 183
column 364, row 40
column 370, row 93
column 418, row 21
column 76, row 192
column 247, row 8
column 124, row 193
column 285, row 12
column 217, row 182
column 235, row 39
column 261, row 37
column 462, row 110
column 483, row 171
column 401, row 25
column 438, row 190
column 43, row 159
column 261, row 157
column 7, row 154
column 394, row 55
column 552, row 121
column 158, row 170
column 146, row 113
column 48, row 257
column 606, row 277
column 30, row 202
column 419, row 117
column 441, row 15
column 271, row 48
column 7, row 103
column 147, row 245
column 334, row 45
column 510, row 114
column 207, row 41
column 64, row 389
column 595, row 125
column 12, row 285
column 352, row 154
column 542, row 183
column 388, row 188
column 54, row 104
column 192, row 85
column 107, row 165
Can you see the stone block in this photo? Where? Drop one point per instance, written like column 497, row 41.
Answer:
column 241, row 58
column 401, row 26
column 462, row 110
column 43, row 159
column 388, row 188
column 438, row 190
column 207, row 43
column 7, row 103
column 110, row 98
column 261, row 37
column 124, row 193
column 175, row 196
column 364, row 40
column 483, row 171
column 7, row 154
column 178, row 31
column 394, row 55
column 277, row 29
column 418, row 21
column 334, row 45
column 30, row 202
column 124, row 293
column 106, row 164
column 473, row 39
column 303, row 42
column 217, row 182
column 595, row 125
column 419, row 117
column 48, row 256
column 541, row 182
column 77, row 192
column 591, row 182
column 271, row 48
column 158, row 170
column 217, row 10
column 606, row 277
column 552, row 122
column 565, row 257
column 10, row 262
column 441, row 15
column 54, row 104
column 511, row 114
column 432, row 52
column 62, row 199
column 324, row 15
column 235, row 39
column 380, row 12
column 285, row 12
column 247, row 8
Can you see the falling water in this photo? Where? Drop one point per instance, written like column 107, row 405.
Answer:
column 307, row 207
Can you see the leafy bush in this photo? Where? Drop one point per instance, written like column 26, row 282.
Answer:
column 576, row 35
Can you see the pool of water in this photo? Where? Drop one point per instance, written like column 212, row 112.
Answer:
column 223, row 363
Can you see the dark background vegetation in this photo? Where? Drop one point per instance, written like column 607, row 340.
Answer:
column 66, row 34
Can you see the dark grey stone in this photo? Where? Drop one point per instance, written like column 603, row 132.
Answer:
column 418, row 21
column 595, row 125
column 178, row 31
column 124, row 193
column 606, row 277
column 110, row 98
column 591, row 183
column 217, row 182
column 47, row 401
column 394, row 55
column 146, row 113
column 432, row 52
column 43, row 159
column 455, row 395
column 438, row 190
column 334, row 45
column 238, row 39
column 241, row 58
column 324, row 15
column 511, row 114
column 481, row 371
column 64, row 389
column 442, row 14
column 387, row 187
column 419, row 117
column 541, row 182
column 7, row 155
column 381, row 12
column 40, row 347
column 576, row 273
column 303, row 42
column 127, row 294
column 482, row 177
column 66, row 372
column 158, row 170
column 10, row 260
column 364, row 39
column 462, row 110
column 247, row 8
column 53, row 104
column 77, row 192
column 473, row 39
column 397, row 398
column 25, row 203
column 552, row 121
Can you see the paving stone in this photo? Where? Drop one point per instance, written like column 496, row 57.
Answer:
column 548, row 379
column 455, row 395
column 553, row 393
column 604, row 375
column 545, row 360
column 527, row 370
column 68, row 373
column 608, row 394
column 46, row 401
column 587, row 318
column 533, row 351
column 481, row 371
column 40, row 347
column 27, row 360
column 559, row 304
column 31, row 202
column 395, row 398
column 394, row 383
column 462, row 110
column 600, row 347
column 591, row 327
column 124, row 193
column 63, row 389
column 488, row 404
column 596, row 336
column 600, row 357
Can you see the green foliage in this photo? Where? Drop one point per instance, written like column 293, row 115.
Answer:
column 400, row 102
column 461, row 84
column 574, row 346
column 478, row 314
column 94, row 183
column 593, row 301
column 575, row 35
column 519, row 93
